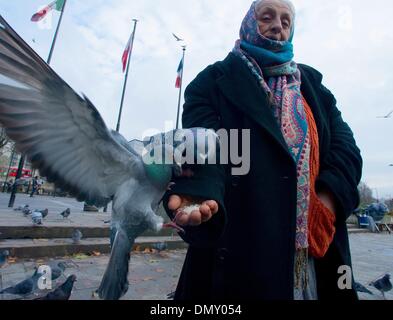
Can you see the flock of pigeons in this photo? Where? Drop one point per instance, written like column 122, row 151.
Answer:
column 30, row 285
column 37, row 216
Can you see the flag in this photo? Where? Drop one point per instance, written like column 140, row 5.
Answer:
column 126, row 52
column 179, row 74
column 55, row 5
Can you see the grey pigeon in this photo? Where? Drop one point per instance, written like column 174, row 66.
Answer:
column 63, row 292
column 20, row 208
column 3, row 257
column 36, row 217
column 57, row 269
column 66, row 213
column 26, row 211
column 64, row 136
column 361, row 288
column 382, row 284
column 25, row 287
column 44, row 212
column 77, row 236
column 160, row 246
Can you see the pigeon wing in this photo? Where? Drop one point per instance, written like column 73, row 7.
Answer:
column 61, row 133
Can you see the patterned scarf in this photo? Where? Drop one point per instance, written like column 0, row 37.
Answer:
column 271, row 63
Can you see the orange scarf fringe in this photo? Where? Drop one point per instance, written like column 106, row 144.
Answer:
column 321, row 220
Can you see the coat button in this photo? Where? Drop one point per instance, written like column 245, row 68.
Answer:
column 222, row 254
column 235, row 181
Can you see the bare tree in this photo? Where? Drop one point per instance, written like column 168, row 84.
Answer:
column 366, row 194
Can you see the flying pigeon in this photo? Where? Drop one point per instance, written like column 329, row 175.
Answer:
column 382, row 284
column 389, row 115
column 64, row 136
column 25, row 287
column 77, row 236
column 66, row 213
column 177, row 38
column 63, row 292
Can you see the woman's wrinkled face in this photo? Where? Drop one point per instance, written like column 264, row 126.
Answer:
column 274, row 19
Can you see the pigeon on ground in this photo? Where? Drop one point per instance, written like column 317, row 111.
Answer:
column 44, row 212
column 361, row 288
column 63, row 292
column 64, row 136
column 160, row 246
column 36, row 217
column 382, row 284
column 26, row 211
column 25, row 287
column 20, row 208
column 77, row 236
column 66, row 213
column 3, row 257
column 57, row 269
column 3, row 260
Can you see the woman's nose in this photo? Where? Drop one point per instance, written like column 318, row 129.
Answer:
column 276, row 26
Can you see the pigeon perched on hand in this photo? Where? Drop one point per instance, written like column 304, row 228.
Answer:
column 361, row 288
column 77, row 236
column 382, row 284
column 66, row 213
column 25, row 287
column 64, row 136
column 63, row 292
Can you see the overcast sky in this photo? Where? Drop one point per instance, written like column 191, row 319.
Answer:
column 349, row 41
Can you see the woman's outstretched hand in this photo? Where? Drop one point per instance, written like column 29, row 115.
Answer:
column 201, row 210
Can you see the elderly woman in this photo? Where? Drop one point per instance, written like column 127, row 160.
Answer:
column 278, row 232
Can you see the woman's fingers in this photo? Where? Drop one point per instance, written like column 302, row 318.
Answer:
column 213, row 205
column 206, row 210
column 174, row 202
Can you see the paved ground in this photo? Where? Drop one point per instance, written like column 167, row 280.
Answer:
column 153, row 275
column 55, row 205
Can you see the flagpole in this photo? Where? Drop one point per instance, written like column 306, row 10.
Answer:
column 126, row 76
column 56, row 33
column 180, row 89
column 22, row 158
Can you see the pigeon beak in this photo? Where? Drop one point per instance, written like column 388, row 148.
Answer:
column 177, row 170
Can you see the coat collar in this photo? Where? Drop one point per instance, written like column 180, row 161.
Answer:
column 244, row 91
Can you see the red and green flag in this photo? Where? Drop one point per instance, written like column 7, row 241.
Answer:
column 126, row 53
column 179, row 74
column 55, row 5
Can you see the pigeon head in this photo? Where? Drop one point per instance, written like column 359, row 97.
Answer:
column 5, row 253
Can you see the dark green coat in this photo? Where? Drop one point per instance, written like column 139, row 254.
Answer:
column 246, row 251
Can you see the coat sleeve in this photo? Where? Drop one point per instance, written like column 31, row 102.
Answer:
column 208, row 182
column 341, row 168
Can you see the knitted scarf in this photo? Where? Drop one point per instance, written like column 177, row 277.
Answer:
column 271, row 63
